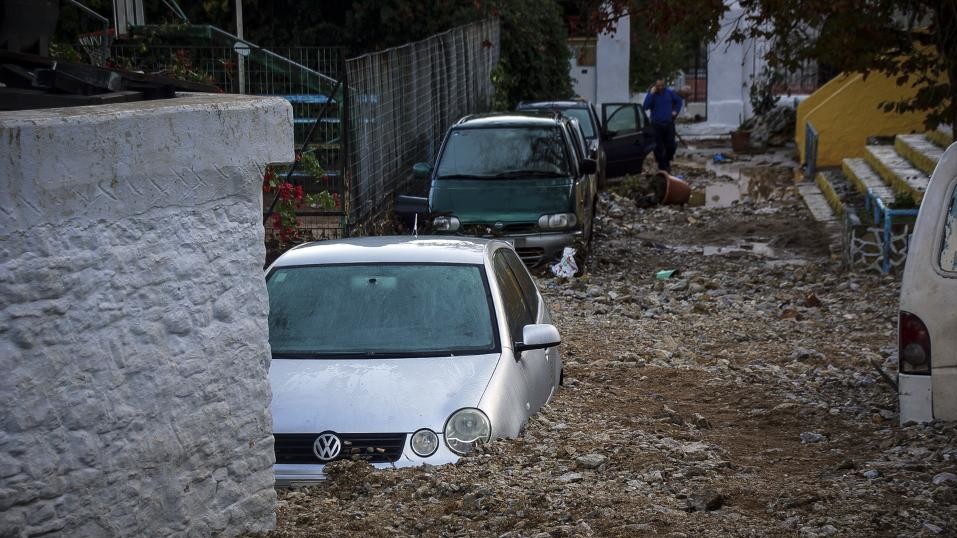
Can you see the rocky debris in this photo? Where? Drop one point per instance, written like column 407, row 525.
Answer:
column 773, row 128
column 706, row 500
column 812, row 437
column 674, row 398
column 591, row 461
column 944, row 478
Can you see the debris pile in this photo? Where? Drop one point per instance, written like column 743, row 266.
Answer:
column 733, row 395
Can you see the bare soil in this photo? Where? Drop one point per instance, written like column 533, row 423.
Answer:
column 738, row 398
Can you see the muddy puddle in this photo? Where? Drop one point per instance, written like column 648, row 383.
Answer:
column 774, row 256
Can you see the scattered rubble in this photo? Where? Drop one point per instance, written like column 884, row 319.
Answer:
column 736, row 398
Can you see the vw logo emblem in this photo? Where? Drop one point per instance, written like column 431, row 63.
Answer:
column 327, row 446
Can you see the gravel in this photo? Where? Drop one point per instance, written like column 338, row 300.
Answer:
column 737, row 398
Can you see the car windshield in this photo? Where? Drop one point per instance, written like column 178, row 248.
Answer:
column 503, row 152
column 379, row 310
column 584, row 120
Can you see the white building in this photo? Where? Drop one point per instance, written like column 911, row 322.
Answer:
column 732, row 70
column 600, row 64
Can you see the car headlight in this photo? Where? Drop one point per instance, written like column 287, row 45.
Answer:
column 465, row 428
column 557, row 221
column 446, row 224
column 425, row 442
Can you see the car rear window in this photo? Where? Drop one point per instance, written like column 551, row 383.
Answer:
column 379, row 309
column 499, row 152
column 948, row 250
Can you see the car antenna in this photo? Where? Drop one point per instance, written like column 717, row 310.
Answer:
column 415, row 227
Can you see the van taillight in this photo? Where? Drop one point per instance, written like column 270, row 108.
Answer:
column 913, row 343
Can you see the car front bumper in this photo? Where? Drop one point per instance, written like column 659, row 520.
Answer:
column 536, row 249
column 296, row 475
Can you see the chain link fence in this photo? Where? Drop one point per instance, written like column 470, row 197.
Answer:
column 400, row 103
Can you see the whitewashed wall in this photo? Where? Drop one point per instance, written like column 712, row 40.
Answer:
column 732, row 69
column 133, row 334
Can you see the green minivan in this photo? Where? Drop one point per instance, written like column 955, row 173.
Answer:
column 520, row 177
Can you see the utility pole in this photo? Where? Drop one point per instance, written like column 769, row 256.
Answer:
column 242, row 58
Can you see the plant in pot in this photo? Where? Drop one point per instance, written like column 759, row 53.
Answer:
column 763, row 100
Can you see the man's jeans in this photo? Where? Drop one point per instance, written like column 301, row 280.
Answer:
column 665, row 145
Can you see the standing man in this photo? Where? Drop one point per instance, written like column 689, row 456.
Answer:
column 664, row 105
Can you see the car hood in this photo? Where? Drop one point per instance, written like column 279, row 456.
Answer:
column 374, row 395
column 501, row 200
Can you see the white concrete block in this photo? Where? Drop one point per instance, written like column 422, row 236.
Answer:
column 133, row 317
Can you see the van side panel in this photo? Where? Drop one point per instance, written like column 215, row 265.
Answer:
column 931, row 294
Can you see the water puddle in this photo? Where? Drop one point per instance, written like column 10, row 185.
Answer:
column 773, row 257
column 721, row 194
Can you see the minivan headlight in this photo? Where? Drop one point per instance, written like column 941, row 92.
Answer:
column 557, row 221
column 465, row 428
column 446, row 224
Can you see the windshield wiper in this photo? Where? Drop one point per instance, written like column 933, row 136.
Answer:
column 529, row 173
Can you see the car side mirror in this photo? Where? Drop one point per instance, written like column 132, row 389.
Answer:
column 537, row 336
column 608, row 135
column 421, row 170
column 588, row 166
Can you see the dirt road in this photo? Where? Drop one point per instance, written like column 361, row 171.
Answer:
column 737, row 398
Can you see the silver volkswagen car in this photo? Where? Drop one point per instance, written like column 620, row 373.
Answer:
column 403, row 351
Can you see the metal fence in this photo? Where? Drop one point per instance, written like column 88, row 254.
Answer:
column 395, row 107
column 400, row 103
column 306, row 76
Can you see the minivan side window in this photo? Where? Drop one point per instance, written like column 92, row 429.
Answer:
column 948, row 249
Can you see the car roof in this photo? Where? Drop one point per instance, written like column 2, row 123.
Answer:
column 553, row 104
column 505, row 119
column 389, row 249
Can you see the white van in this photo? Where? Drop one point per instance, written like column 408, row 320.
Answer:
column 927, row 329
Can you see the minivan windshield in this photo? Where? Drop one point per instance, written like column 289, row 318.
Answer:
column 503, row 152
column 367, row 310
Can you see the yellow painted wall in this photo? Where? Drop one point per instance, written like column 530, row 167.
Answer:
column 813, row 101
column 846, row 111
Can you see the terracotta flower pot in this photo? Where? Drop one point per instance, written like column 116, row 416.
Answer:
column 740, row 141
column 671, row 190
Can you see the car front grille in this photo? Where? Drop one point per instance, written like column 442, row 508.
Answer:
column 520, row 228
column 531, row 256
column 371, row 447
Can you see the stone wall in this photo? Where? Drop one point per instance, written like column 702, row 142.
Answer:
column 133, row 334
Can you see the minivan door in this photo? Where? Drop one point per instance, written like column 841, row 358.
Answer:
column 628, row 138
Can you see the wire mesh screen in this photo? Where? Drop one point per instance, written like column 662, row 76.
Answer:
column 305, row 76
column 400, row 103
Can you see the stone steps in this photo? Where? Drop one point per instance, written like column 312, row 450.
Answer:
column 817, row 203
column 897, row 171
column 830, row 193
column 943, row 136
column 920, row 150
column 864, row 178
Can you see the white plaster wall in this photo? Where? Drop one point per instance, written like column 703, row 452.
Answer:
column 612, row 64
column 584, row 80
column 133, row 331
column 731, row 70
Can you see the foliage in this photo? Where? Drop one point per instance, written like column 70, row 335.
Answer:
column 912, row 40
column 534, row 58
column 762, row 97
column 656, row 56
column 293, row 198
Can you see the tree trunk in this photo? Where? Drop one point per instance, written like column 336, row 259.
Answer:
column 946, row 16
